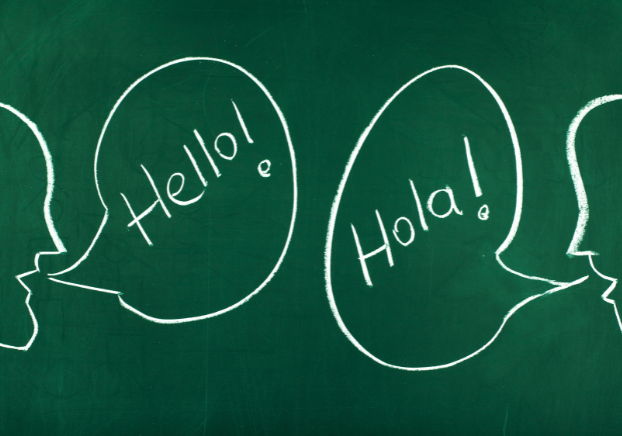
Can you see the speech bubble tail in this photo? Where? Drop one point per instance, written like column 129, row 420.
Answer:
column 88, row 251
column 35, row 324
column 90, row 288
column 525, row 276
column 50, row 175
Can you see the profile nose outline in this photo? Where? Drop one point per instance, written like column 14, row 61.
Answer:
column 49, row 222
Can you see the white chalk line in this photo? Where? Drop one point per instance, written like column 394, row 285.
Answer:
column 50, row 175
column 384, row 247
column 396, row 231
column 172, row 321
column 482, row 348
column 571, row 153
column 242, row 123
column 91, row 288
column 501, row 249
column 525, row 276
column 264, row 172
column 424, row 225
column 137, row 219
column 233, row 142
column 172, row 195
column 207, row 154
column 155, row 190
column 609, row 290
column 49, row 222
column 453, row 207
column 584, row 211
column 476, row 187
column 35, row 324
column 196, row 167
column 106, row 211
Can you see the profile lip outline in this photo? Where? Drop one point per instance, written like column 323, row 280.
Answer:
column 107, row 213
column 582, row 200
column 49, row 222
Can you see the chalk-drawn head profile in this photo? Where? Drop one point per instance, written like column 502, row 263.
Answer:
column 196, row 171
column 26, row 188
column 593, row 152
column 430, row 200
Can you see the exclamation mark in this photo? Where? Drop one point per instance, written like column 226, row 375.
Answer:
column 483, row 212
column 242, row 123
column 478, row 190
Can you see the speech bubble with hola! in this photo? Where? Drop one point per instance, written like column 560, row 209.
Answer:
column 196, row 171
column 430, row 199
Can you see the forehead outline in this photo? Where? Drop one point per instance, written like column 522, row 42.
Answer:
column 49, row 222
column 579, row 187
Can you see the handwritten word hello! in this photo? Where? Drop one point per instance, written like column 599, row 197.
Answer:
column 263, row 169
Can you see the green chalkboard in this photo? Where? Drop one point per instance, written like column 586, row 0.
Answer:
column 300, row 218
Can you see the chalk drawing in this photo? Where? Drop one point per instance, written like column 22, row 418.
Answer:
column 136, row 219
column 60, row 248
column 504, row 245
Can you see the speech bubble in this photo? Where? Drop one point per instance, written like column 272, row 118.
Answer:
column 196, row 171
column 417, row 228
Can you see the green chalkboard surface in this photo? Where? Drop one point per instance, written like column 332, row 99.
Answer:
column 304, row 217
